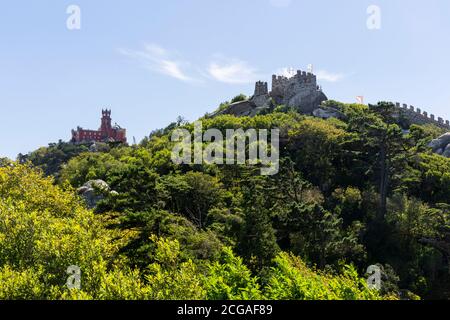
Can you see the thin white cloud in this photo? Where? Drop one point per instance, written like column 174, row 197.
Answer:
column 323, row 75
column 233, row 72
column 156, row 50
column 221, row 69
column 158, row 59
column 172, row 69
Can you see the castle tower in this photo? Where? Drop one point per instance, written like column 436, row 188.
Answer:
column 261, row 89
column 106, row 133
column 106, row 122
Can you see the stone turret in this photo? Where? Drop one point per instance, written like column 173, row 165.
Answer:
column 300, row 92
column 261, row 89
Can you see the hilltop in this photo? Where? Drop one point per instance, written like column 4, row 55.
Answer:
column 358, row 190
column 301, row 92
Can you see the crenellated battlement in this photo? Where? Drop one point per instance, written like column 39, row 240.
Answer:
column 261, row 89
column 284, row 88
column 416, row 115
column 298, row 91
column 301, row 78
column 106, row 113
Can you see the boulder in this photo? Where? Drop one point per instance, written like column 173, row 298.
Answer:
column 305, row 102
column 250, row 107
column 93, row 192
column 446, row 152
column 440, row 143
column 261, row 101
column 239, row 109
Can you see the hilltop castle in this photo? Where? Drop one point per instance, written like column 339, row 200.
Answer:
column 299, row 91
column 106, row 133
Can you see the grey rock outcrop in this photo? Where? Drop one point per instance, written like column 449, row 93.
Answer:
column 94, row 191
column 241, row 109
column 441, row 145
column 446, row 152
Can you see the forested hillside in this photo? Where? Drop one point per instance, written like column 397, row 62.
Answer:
column 350, row 193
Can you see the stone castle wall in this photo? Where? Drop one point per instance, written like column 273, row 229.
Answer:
column 417, row 116
column 302, row 92
column 283, row 86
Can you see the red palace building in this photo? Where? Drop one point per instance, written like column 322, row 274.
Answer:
column 106, row 133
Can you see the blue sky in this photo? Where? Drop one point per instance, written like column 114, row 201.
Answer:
column 151, row 61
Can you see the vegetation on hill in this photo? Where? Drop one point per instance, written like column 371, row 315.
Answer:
column 349, row 194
